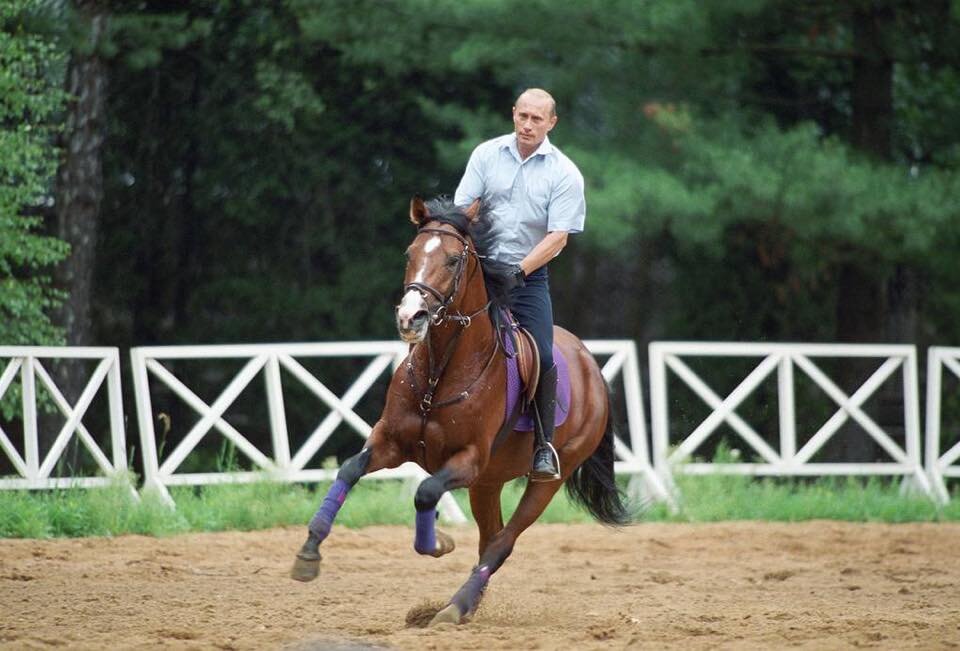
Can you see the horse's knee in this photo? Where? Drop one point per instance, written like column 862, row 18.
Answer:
column 430, row 491
column 355, row 467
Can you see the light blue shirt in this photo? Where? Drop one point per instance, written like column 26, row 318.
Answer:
column 527, row 198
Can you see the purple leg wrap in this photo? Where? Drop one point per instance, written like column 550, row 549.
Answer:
column 426, row 538
column 323, row 520
column 468, row 597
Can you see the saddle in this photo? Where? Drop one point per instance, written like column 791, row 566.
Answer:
column 528, row 363
column 523, row 375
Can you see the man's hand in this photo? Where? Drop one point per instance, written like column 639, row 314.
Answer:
column 519, row 278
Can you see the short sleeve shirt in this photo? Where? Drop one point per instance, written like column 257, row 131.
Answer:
column 527, row 198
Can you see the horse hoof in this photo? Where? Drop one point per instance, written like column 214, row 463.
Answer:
column 445, row 545
column 449, row 615
column 306, row 567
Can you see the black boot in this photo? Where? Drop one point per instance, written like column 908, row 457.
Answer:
column 546, row 464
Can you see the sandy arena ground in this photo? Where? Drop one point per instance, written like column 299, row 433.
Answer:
column 812, row 585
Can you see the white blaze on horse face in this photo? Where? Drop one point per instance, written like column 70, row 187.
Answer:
column 429, row 247
column 411, row 304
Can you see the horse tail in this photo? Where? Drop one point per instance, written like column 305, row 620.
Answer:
column 593, row 485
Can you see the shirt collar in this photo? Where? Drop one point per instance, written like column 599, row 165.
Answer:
column 510, row 143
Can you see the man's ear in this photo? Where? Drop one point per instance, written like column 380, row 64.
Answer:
column 473, row 211
column 418, row 212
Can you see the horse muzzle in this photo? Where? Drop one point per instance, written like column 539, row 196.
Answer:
column 413, row 328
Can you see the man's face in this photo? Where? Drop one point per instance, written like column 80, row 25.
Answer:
column 532, row 121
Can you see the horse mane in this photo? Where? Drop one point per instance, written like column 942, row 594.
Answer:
column 482, row 232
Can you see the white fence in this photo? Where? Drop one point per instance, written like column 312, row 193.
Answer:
column 784, row 359
column 632, row 457
column 940, row 465
column 634, row 460
column 285, row 464
column 26, row 362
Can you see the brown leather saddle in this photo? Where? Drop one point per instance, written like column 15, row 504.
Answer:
column 528, row 363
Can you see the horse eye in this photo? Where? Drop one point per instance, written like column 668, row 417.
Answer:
column 452, row 260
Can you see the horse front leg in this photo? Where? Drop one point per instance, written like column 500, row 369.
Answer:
column 377, row 453
column 459, row 471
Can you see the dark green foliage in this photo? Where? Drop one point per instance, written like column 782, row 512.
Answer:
column 31, row 68
column 267, row 153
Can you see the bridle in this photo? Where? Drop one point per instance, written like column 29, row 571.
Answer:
column 439, row 313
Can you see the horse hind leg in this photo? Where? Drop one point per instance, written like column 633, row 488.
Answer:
column 487, row 511
column 467, row 599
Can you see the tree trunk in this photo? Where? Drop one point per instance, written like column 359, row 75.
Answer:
column 861, row 317
column 872, row 92
column 78, row 193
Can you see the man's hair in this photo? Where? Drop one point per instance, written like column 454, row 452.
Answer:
column 539, row 93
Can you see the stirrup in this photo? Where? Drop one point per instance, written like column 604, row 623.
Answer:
column 543, row 476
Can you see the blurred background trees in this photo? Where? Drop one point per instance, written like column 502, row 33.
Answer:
column 756, row 169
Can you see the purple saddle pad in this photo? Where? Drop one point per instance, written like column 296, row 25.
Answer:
column 514, row 388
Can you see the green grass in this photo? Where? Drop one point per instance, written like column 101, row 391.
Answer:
column 113, row 511
column 736, row 497
column 92, row 512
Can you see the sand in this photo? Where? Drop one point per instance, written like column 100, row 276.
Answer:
column 737, row 585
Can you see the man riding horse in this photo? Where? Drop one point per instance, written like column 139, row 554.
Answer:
column 448, row 402
column 535, row 196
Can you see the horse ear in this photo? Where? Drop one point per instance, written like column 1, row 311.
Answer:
column 473, row 211
column 418, row 211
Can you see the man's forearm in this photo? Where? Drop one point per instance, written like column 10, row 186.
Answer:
column 548, row 248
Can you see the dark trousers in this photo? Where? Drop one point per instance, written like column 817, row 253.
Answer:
column 533, row 310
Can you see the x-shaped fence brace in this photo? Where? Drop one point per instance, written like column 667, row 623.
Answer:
column 25, row 361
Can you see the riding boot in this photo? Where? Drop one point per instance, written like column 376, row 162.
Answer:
column 546, row 463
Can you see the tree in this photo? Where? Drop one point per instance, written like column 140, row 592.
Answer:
column 31, row 67
column 79, row 182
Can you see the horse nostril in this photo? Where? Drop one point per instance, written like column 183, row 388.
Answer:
column 419, row 317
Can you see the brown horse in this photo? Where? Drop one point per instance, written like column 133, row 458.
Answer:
column 445, row 407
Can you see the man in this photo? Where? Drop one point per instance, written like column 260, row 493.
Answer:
column 535, row 195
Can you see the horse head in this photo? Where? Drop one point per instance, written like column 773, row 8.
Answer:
column 437, row 262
